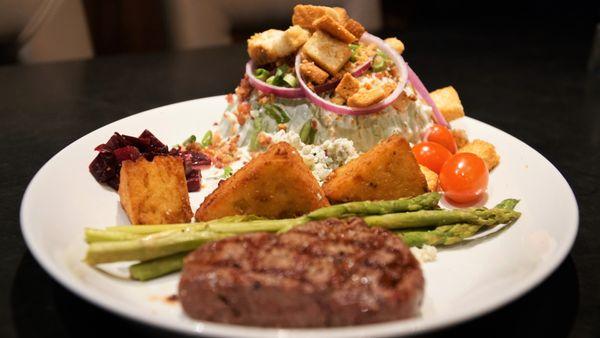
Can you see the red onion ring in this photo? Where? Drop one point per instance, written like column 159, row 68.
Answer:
column 424, row 93
column 345, row 110
column 290, row 93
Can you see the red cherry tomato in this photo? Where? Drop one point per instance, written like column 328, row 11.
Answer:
column 442, row 135
column 432, row 155
column 464, row 177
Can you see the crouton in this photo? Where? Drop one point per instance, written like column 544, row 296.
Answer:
column 366, row 97
column 305, row 15
column 334, row 28
column 431, row 177
column 328, row 53
column 403, row 101
column 348, row 86
column 483, row 149
column 274, row 184
column 396, row 44
column 354, row 27
column 155, row 192
column 448, row 102
column 274, row 44
column 460, row 137
column 387, row 171
column 313, row 73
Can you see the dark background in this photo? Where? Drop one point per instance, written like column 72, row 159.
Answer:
column 527, row 69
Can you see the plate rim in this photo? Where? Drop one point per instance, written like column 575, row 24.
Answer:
column 408, row 326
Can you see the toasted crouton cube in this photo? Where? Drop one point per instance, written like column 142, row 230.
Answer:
column 431, row 177
column 348, row 86
column 334, row 28
column 354, row 27
column 155, row 192
column 305, row 15
column 448, row 102
column 396, row 44
column 274, row 44
column 387, row 171
column 460, row 137
column 313, row 73
column 274, row 184
column 366, row 97
column 328, row 53
column 483, row 149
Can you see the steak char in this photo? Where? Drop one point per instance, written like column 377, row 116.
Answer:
column 323, row 273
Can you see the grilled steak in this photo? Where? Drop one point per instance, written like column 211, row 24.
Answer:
column 323, row 273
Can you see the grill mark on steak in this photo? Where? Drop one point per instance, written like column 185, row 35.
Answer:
column 326, row 273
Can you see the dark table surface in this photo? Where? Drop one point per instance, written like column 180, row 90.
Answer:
column 529, row 81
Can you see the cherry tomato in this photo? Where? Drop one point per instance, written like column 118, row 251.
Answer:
column 432, row 155
column 442, row 135
column 464, row 177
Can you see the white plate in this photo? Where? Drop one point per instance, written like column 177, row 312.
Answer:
column 463, row 283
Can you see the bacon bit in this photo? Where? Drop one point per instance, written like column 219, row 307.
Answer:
column 223, row 153
column 172, row 298
column 242, row 112
column 263, row 139
column 229, row 98
column 266, row 98
column 244, row 89
column 282, row 126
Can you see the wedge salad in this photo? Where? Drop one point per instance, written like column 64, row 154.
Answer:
column 331, row 159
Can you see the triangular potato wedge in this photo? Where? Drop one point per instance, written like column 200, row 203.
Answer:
column 275, row 184
column 387, row 171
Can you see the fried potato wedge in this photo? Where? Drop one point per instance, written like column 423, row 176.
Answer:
column 155, row 192
column 275, row 184
column 387, row 171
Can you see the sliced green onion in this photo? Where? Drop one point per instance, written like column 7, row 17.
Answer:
column 227, row 172
column 262, row 74
column 276, row 113
column 256, row 129
column 378, row 64
column 354, row 48
column 308, row 133
column 271, row 80
column 189, row 140
column 207, row 139
column 290, row 80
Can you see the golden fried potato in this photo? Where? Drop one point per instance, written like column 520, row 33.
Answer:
column 275, row 184
column 448, row 102
column 483, row 149
column 155, row 192
column 431, row 177
column 387, row 171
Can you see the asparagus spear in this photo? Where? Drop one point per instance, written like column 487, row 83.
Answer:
column 99, row 235
column 158, row 267
column 149, row 247
column 449, row 234
column 426, row 218
column 424, row 201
